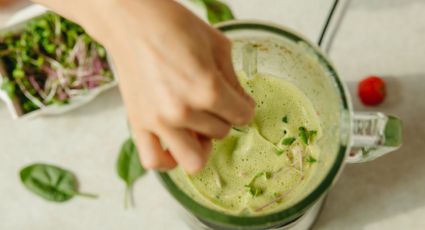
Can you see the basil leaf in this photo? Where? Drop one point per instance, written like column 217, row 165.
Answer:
column 285, row 119
column 129, row 168
column 216, row 10
column 51, row 182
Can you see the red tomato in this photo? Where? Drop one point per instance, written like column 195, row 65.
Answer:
column 372, row 90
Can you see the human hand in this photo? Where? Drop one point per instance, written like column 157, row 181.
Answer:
column 176, row 78
column 178, row 85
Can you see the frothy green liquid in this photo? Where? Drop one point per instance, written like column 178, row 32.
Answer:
column 257, row 168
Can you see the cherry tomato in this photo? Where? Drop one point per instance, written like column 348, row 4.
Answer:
column 372, row 90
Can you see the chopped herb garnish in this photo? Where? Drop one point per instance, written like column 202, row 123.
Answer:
column 303, row 134
column 254, row 191
column 312, row 134
column 279, row 152
column 267, row 175
column 306, row 136
column 285, row 119
column 288, row 141
column 310, row 159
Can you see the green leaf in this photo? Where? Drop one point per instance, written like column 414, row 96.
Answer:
column 50, row 182
column 216, row 10
column 312, row 135
column 285, row 119
column 288, row 141
column 254, row 191
column 18, row 73
column 129, row 168
column 306, row 136
column 39, row 61
column 101, row 51
column 303, row 134
column 279, row 151
column 310, row 159
column 8, row 87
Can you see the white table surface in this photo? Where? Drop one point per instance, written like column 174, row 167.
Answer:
column 385, row 37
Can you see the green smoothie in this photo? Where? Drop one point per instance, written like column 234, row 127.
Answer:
column 257, row 168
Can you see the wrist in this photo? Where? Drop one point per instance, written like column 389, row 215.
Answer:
column 96, row 16
column 91, row 14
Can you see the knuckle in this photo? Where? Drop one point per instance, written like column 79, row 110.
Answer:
column 212, row 98
column 155, row 121
column 201, row 67
column 212, row 92
column 179, row 113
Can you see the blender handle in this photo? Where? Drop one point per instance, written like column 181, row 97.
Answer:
column 374, row 135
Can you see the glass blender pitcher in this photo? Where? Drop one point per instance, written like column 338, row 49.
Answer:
column 348, row 137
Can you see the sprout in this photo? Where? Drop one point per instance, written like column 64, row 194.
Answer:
column 50, row 61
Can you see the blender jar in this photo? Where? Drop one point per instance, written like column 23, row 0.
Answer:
column 347, row 136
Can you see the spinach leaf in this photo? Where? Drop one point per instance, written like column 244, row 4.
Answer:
column 216, row 10
column 129, row 168
column 51, row 182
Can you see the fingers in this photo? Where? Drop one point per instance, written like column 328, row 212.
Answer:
column 218, row 90
column 151, row 152
column 201, row 122
column 186, row 148
column 222, row 100
column 223, row 60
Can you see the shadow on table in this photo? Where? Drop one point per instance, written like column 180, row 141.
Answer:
column 393, row 184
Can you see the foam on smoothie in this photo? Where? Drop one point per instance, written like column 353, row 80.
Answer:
column 257, row 168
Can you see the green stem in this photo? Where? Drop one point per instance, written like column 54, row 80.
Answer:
column 130, row 196
column 87, row 195
column 126, row 197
